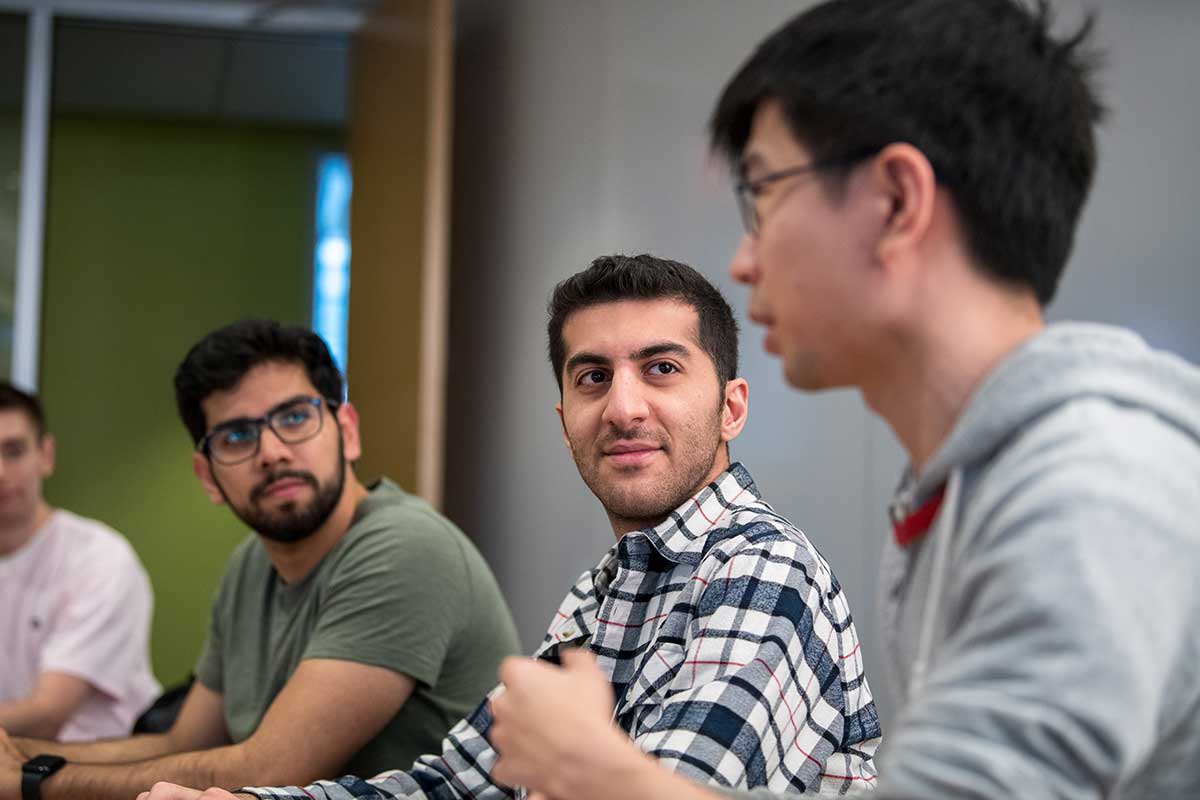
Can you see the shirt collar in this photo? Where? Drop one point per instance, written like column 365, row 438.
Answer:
column 683, row 537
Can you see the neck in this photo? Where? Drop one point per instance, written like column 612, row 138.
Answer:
column 295, row 560
column 16, row 534
column 938, row 364
column 623, row 525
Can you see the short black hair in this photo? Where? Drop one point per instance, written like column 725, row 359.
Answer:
column 222, row 358
column 645, row 277
column 1003, row 111
column 13, row 398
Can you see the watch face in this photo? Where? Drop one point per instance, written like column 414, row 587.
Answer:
column 43, row 764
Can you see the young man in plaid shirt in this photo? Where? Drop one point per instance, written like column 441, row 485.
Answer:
column 910, row 174
column 720, row 630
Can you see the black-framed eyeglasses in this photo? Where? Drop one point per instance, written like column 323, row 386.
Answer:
column 293, row 421
column 748, row 192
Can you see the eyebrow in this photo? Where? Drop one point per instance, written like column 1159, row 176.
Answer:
column 270, row 411
column 747, row 162
column 649, row 351
column 660, row 349
column 585, row 358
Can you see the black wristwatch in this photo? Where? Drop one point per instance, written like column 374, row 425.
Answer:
column 36, row 770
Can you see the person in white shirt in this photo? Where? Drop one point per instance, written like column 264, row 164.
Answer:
column 75, row 601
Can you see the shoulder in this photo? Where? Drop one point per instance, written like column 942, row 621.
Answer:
column 402, row 532
column 247, row 564
column 1092, row 455
column 93, row 544
column 757, row 540
column 1090, row 483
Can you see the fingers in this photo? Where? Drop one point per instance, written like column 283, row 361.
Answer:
column 515, row 670
column 579, row 660
column 170, row 791
column 501, row 772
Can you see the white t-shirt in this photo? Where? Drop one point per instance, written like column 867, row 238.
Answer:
column 75, row 599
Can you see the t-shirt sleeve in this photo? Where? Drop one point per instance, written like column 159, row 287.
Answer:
column 395, row 598
column 100, row 633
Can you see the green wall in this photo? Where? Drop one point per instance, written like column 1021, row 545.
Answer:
column 156, row 232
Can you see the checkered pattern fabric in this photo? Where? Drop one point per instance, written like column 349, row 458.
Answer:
column 731, row 652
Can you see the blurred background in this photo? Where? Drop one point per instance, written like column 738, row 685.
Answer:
column 412, row 177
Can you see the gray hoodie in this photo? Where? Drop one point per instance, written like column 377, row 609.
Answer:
column 1045, row 633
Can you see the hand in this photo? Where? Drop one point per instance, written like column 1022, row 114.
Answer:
column 552, row 728
column 169, row 791
column 11, row 760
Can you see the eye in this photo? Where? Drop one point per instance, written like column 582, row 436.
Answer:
column 11, row 451
column 592, row 377
column 293, row 417
column 237, row 436
column 662, row 368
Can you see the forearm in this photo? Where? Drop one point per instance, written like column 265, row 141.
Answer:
column 640, row 777
column 29, row 718
column 663, row 783
column 106, row 751
column 461, row 770
column 223, row 766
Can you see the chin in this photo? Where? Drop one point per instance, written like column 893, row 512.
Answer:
column 633, row 505
column 796, row 376
column 804, row 376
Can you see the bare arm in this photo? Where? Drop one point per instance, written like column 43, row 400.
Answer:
column 324, row 715
column 200, row 725
column 55, row 697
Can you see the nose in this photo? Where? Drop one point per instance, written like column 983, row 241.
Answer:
column 272, row 449
column 625, row 404
column 743, row 267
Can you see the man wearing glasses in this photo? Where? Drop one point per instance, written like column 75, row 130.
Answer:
column 348, row 633
column 1039, row 595
column 722, row 632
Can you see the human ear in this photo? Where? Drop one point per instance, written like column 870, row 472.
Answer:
column 203, row 470
column 347, row 422
column 46, row 454
column 735, row 408
column 905, row 178
column 563, row 423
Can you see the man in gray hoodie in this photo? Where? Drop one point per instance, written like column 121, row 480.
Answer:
column 910, row 174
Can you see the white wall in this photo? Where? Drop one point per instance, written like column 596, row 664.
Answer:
column 580, row 131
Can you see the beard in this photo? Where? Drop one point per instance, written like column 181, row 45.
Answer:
column 293, row 522
column 651, row 497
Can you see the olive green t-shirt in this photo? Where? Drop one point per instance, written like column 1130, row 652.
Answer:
column 403, row 589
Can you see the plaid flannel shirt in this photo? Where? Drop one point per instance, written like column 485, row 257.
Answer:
column 732, row 655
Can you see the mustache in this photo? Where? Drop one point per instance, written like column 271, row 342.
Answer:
column 632, row 435
column 266, row 482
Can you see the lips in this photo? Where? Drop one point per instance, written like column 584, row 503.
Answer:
column 286, row 484
column 760, row 317
column 631, row 453
column 630, row 447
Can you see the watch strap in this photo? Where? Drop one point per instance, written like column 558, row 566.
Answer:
column 33, row 772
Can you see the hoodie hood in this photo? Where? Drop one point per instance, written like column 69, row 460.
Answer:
column 1066, row 361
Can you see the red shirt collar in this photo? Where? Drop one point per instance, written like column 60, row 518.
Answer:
column 914, row 524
